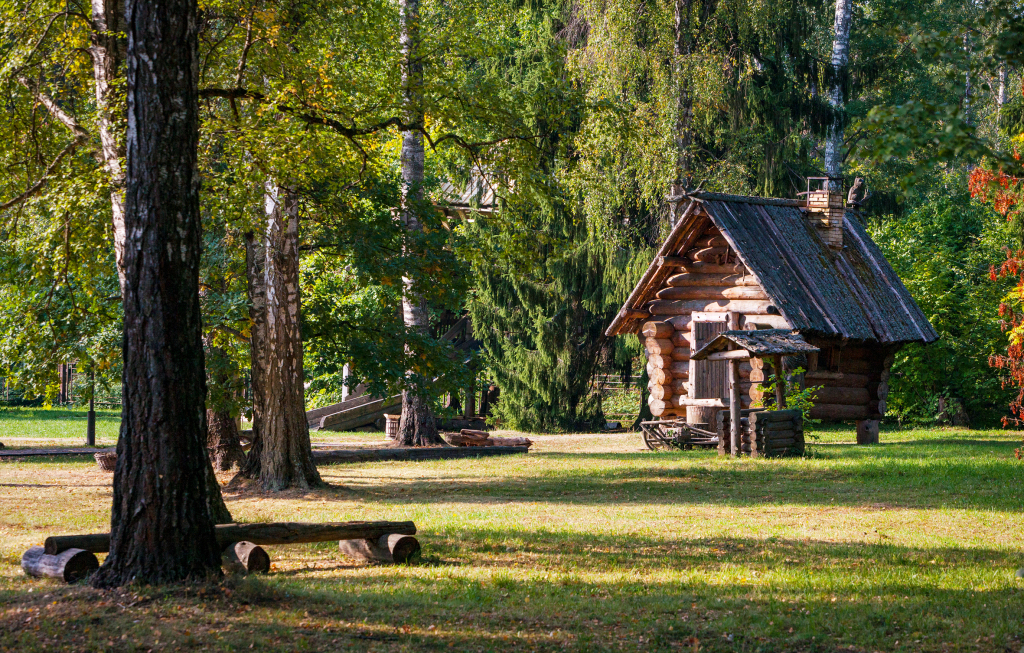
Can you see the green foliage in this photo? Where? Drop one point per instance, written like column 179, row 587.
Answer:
column 797, row 397
column 943, row 249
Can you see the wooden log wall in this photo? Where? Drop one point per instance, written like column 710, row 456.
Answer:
column 668, row 367
column 710, row 278
column 855, row 380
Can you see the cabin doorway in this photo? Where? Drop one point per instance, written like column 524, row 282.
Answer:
column 709, row 379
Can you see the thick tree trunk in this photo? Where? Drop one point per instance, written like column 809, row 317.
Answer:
column 107, row 49
column 418, row 427
column 161, row 526
column 684, row 108
column 255, row 262
column 285, row 458
column 840, row 58
column 223, row 443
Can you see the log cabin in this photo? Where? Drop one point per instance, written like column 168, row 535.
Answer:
column 736, row 262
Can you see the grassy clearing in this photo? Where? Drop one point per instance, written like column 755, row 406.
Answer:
column 21, row 427
column 589, row 543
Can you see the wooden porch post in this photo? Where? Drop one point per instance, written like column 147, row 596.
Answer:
column 780, row 384
column 734, row 406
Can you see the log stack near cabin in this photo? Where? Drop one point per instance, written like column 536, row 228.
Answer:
column 737, row 262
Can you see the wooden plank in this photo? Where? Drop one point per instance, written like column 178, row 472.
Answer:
column 736, row 355
column 365, row 414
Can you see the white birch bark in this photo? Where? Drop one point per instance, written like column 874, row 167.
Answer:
column 1001, row 96
column 417, row 426
column 840, row 59
column 107, row 51
column 286, row 455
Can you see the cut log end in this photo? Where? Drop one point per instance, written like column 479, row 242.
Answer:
column 393, row 548
column 70, row 566
column 246, row 557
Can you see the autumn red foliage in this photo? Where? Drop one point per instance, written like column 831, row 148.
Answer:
column 1006, row 194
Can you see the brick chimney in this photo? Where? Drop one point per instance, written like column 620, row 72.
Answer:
column 826, row 210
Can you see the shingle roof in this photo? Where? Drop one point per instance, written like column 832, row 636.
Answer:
column 760, row 343
column 850, row 293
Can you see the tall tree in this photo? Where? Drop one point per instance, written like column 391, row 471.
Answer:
column 417, row 427
column 284, row 457
column 840, row 58
column 161, row 522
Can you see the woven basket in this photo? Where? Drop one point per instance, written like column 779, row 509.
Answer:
column 106, row 460
column 391, row 425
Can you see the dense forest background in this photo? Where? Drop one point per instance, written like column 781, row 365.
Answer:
column 572, row 122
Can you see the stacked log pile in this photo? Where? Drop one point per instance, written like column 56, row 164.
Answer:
column 764, row 433
column 473, row 438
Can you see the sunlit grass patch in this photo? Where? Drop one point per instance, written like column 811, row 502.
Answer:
column 588, row 543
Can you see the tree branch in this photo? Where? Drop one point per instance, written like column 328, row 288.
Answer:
column 62, row 116
column 50, row 169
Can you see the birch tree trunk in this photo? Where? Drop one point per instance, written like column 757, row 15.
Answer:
column 161, row 528
column 285, row 456
column 684, row 108
column 255, row 262
column 417, row 426
column 1001, row 95
column 107, row 49
column 840, row 59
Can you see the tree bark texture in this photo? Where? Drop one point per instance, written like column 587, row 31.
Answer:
column 417, row 427
column 223, row 440
column 255, row 262
column 161, row 527
column 840, row 59
column 285, row 456
column 107, row 50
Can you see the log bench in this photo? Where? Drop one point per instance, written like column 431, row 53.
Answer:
column 72, row 557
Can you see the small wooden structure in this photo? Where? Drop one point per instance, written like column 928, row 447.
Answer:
column 734, row 263
column 737, row 346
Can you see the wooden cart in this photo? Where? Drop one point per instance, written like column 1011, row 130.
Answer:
column 676, row 434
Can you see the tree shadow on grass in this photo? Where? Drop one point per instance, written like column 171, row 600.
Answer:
column 523, row 589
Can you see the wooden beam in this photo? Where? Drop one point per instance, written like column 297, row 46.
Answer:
column 780, row 383
column 673, row 262
column 702, row 403
column 734, row 406
column 735, row 355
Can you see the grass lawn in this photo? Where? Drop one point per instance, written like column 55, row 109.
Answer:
column 589, row 543
column 56, row 427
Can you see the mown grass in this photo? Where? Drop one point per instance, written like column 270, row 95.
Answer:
column 34, row 426
column 589, row 544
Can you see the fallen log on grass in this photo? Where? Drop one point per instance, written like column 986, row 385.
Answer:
column 411, row 454
column 471, row 438
column 246, row 558
column 396, row 548
column 70, row 565
column 272, row 533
